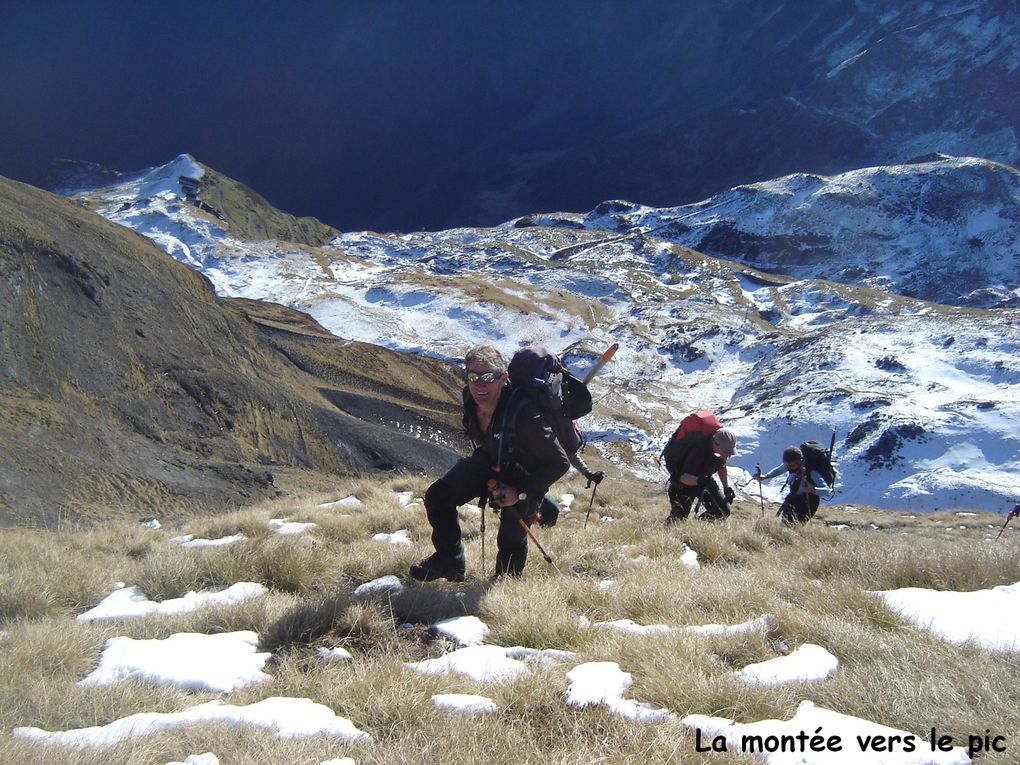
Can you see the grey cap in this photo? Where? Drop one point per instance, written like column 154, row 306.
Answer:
column 725, row 442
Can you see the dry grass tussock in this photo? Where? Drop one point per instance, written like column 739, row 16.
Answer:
column 813, row 582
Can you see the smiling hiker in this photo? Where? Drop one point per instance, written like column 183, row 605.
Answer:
column 809, row 468
column 515, row 449
column 697, row 451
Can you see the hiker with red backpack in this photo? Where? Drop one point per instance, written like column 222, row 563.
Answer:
column 694, row 455
column 517, row 457
column 809, row 468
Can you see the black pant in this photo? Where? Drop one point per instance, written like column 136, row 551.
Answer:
column 465, row 481
column 682, row 498
column 549, row 512
column 799, row 508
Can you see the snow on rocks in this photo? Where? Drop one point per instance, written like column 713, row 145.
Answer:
column 464, row 703
column 384, row 584
column 808, row 663
column 466, row 630
column 285, row 717
column 405, row 498
column 131, row 603
column 223, row 662
column 603, row 682
column 400, row 537
column 349, row 502
column 990, row 618
column 285, row 527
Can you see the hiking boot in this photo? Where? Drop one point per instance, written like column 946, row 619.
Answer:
column 713, row 517
column 674, row 518
column 433, row 568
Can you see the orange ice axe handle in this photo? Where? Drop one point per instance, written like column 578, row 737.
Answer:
column 603, row 360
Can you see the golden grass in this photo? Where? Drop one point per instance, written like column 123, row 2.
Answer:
column 813, row 582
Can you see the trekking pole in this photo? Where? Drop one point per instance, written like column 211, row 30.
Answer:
column 482, row 501
column 832, row 445
column 603, row 360
column 531, row 535
column 761, row 497
column 1012, row 514
column 493, row 485
column 694, row 512
column 588, row 514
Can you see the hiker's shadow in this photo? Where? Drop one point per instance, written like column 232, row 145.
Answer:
column 429, row 603
column 341, row 614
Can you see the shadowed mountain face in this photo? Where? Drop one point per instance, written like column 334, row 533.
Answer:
column 741, row 91
column 125, row 383
column 353, row 113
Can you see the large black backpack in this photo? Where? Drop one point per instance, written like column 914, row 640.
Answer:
column 562, row 398
column 817, row 458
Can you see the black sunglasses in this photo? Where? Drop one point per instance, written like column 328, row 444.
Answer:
column 484, row 377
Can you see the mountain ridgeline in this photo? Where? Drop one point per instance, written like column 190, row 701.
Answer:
column 913, row 359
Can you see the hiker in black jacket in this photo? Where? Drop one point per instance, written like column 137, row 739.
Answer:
column 801, row 504
column 513, row 446
column 692, row 479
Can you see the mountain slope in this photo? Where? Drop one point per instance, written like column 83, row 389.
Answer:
column 942, row 229
column 923, row 397
column 126, row 383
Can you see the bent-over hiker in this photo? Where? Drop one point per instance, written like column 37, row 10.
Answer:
column 514, row 446
column 691, row 478
column 801, row 504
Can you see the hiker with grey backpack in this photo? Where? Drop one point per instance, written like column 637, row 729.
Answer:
column 809, row 469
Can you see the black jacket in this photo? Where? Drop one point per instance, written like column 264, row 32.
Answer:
column 696, row 457
column 531, row 459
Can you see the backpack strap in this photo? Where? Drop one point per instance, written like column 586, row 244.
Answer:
column 505, row 452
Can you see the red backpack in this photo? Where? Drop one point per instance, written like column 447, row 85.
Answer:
column 694, row 429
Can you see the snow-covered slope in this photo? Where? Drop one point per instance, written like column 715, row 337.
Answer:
column 945, row 229
column 923, row 397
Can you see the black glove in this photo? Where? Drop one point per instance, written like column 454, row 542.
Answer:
column 729, row 494
column 596, row 477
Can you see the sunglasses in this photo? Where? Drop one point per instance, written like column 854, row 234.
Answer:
column 484, row 377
